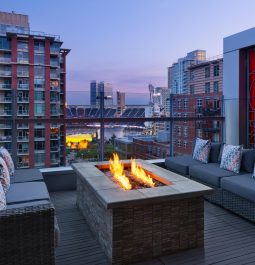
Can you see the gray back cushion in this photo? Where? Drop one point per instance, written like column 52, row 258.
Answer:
column 214, row 152
column 247, row 163
column 220, row 153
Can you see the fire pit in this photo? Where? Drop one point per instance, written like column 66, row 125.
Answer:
column 140, row 220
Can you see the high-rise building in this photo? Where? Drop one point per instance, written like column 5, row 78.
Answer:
column 178, row 74
column 93, row 92
column 32, row 85
column 120, row 102
column 108, row 93
column 95, row 88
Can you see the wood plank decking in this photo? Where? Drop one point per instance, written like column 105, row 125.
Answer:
column 229, row 239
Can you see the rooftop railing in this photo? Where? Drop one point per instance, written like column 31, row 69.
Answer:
column 139, row 128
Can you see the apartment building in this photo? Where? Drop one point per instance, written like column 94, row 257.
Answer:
column 178, row 73
column 32, row 86
column 204, row 99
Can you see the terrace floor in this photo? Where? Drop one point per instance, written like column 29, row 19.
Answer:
column 229, row 239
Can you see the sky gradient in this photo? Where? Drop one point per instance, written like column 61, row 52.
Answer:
column 130, row 43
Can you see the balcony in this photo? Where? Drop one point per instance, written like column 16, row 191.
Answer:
column 23, row 165
column 22, row 126
column 23, row 86
column 54, row 76
column 54, row 149
column 22, row 74
column 54, row 161
column 54, row 63
column 5, row 99
column 211, row 128
column 5, row 138
column 23, row 99
column 5, row 60
column 5, row 73
column 208, row 111
column 23, row 61
column 23, row 151
column 55, row 100
column 22, row 139
column 54, row 113
column 5, row 126
column 5, row 112
column 5, row 86
column 54, row 137
column 55, row 89
column 22, row 113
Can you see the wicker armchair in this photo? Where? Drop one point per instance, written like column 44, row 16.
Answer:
column 27, row 235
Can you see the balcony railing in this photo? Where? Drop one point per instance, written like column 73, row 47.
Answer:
column 5, row 138
column 5, row 125
column 6, row 99
column 5, row 86
column 55, row 89
column 54, row 76
column 23, row 151
column 22, row 99
column 23, row 113
column 23, row 164
column 5, row 60
column 23, row 138
column 23, row 74
column 55, row 149
column 23, row 86
column 54, row 63
column 5, row 73
column 5, row 112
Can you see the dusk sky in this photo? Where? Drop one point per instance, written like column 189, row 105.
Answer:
column 130, row 43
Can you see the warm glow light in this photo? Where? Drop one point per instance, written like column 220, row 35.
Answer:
column 76, row 138
column 117, row 170
column 83, row 144
column 140, row 175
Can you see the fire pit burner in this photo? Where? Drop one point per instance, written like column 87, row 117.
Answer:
column 131, row 176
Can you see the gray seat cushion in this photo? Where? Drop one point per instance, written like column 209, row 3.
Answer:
column 247, row 162
column 25, row 192
column 26, row 175
column 26, row 204
column 242, row 185
column 210, row 173
column 181, row 164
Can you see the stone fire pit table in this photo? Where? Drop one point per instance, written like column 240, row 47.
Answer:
column 145, row 223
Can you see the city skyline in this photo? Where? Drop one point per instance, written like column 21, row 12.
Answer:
column 131, row 44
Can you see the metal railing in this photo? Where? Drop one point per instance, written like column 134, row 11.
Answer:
column 26, row 31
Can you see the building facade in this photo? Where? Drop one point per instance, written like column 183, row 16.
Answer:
column 178, row 73
column 32, row 85
column 120, row 103
column 96, row 88
column 204, row 99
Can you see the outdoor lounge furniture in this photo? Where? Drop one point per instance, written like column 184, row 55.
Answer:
column 28, row 227
column 235, row 192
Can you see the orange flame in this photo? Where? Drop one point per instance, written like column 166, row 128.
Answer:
column 140, row 175
column 117, row 170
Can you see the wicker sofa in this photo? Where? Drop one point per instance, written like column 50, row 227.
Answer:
column 235, row 192
column 28, row 227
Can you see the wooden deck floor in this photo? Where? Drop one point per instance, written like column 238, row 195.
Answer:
column 229, row 239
